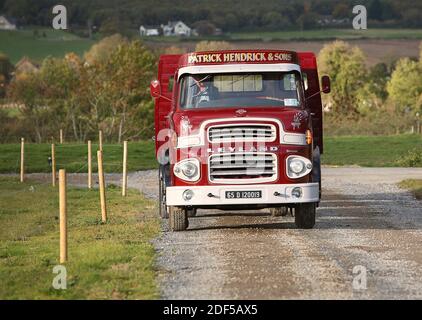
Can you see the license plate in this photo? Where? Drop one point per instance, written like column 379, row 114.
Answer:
column 243, row 194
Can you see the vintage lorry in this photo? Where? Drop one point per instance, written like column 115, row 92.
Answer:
column 239, row 129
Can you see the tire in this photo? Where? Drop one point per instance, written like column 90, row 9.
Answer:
column 191, row 212
column 305, row 215
column 279, row 212
column 163, row 209
column 178, row 219
column 316, row 171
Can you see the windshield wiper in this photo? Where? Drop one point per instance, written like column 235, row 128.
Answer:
column 197, row 82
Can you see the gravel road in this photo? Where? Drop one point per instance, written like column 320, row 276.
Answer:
column 365, row 221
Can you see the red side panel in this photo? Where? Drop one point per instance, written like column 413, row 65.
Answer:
column 308, row 64
column 167, row 67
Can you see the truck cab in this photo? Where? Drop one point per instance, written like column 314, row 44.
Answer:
column 239, row 129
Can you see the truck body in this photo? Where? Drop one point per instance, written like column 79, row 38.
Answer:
column 239, row 129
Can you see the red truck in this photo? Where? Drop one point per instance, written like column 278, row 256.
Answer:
column 239, row 129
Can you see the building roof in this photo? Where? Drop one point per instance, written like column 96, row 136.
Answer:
column 172, row 24
column 26, row 65
column 150, row 27
column 8, row 20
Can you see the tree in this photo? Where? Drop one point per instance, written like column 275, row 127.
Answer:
column 110, row 26
column 378, row 77
column 27, row 91
column 373, row 94
column 128, row 72
column 275, row 20
column 411, row 18
column 405, row 86
column 205, row 28
column 375, row 10
column 341, row 11
column 346, row 67
column 6, row 69
column 112, row 93
column 101, row 51
column 231, row 22
column 307, row 20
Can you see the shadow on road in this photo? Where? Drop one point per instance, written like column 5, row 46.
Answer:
column 371, row 211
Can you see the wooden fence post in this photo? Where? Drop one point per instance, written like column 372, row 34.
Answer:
column 89, row 165
column 53, row 165
column 124, row 182
column 100, row 139
column 22, row 159
column 102, row 186
column 61, row 136
column 63, row 216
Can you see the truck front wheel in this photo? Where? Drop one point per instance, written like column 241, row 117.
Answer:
column 178, row 219
column 305, row 215
column 163, row 209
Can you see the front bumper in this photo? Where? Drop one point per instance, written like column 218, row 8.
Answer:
column 271, row 194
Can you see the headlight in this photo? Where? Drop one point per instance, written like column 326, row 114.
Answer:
column 298, row 167
column 188, row 170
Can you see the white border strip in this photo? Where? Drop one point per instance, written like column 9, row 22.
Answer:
column 233, row 68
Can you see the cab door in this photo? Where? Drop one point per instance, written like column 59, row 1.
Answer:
column 167, row 67
column 308, row 65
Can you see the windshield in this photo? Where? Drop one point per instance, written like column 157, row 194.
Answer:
column 279, row 89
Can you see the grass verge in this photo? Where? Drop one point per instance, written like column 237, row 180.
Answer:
column 413, row 185
column 369, row 151
column 106, row 261
column 73, row 157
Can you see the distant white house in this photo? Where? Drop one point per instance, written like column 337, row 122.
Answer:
column 5, row 24
column 330, row 21
column 149, row 31
column 172, row 28
column 176, row 28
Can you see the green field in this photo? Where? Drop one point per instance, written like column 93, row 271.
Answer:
column 73, row 157
column 105, row 261
column 327, row 34
column 56, row 43
column 369, row 151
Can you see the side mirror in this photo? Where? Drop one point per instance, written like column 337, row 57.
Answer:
column 326, row 84
column 155, row 89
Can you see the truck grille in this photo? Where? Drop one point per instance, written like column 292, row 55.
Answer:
column 243, row 167
column 242, row 132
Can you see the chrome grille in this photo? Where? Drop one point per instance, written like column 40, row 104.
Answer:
column 243, row 167
column 242, row 132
